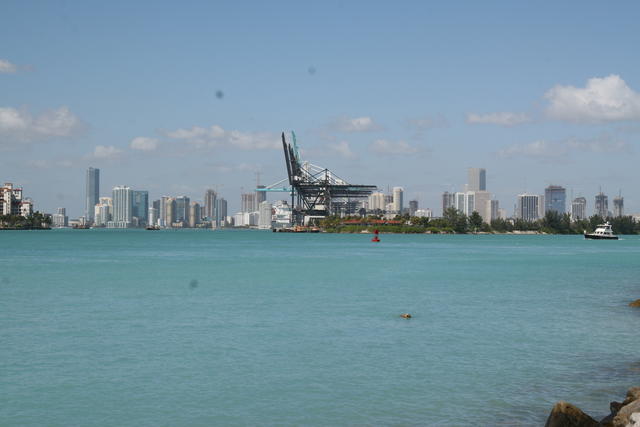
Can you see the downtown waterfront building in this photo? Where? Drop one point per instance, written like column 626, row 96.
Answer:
column 477, row 179
column 92, row 193
column 579, row 208
column 528, row 207
column 140, row 207
column 122, row 208
column 602, row 205
column 618, row 206
column 555, row 198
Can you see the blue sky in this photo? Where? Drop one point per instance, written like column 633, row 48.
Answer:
column 178, row 97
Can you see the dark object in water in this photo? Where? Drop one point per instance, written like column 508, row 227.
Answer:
column 405, row 316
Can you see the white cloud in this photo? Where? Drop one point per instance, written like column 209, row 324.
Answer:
column 426, row 123
column 342, row 149
column 216, row 136
column 7, row 67
column 504, row 118
column 144, row 143
column 355, row 124
column 22, row 126
column 383, row 146
column 604, row 99
column 106, row 152
column 569, row 147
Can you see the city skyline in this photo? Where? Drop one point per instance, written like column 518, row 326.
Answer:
column 398, row 97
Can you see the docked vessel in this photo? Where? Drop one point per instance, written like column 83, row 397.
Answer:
column 603, row 232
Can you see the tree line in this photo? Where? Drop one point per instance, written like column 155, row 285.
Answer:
column 36, row 220
column 454, row 221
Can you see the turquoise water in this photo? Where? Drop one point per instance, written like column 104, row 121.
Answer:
column 188, row 328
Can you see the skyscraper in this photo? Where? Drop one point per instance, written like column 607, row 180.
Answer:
column 413, row 207
column 555, row 199
column 477, row 179
column 528, row 207
column 376, row 202
column 398, row 196
column 210, row 197
column 194, row 214
column 249, row 202
column 182, row 209
column 602, row 205
column 221, row 212
column 261, row 196
column 140, row 207
column 92, row 192
column 448, row 201
column 579, row 208
column 618, row 206
column 122, row 207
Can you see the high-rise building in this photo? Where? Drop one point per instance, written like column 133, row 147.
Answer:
column 465, row 202
column 248, row 202
column 10, row 199
column 398, row 196
column 266, row 213
column 122, row 208
column 194, row 214
column 92, row 192
column 602, row 205
column 448, row 201
column 413, row 207
column 60, row 219
column 261, row 196
column 555, row 199
column 153, row 215
column 376, row 202
column 495, row 210
column 528, row 207
column 102, row 211
column 182, row 209
column 477, row 179
column 169, row 214
column 221, row 212
column 482, row 205
column 579, row 208
column 618, row 206
column 210, row 197
column 141, row 206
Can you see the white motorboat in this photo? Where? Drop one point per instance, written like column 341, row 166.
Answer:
column 603, row 232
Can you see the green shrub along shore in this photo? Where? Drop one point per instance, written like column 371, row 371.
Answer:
column 454, row 222
column 35, row 221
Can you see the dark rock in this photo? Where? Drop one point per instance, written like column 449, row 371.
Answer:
column 565, row 414
column 635, row 303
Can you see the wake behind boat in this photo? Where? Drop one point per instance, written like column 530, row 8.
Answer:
column 603, row 232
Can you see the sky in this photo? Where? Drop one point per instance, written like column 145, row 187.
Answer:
column 178, row 97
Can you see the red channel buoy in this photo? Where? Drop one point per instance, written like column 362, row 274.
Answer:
column 375, row 236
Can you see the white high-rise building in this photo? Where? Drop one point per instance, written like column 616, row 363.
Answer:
column 528, row 206
column 102, row 211
column 482, row 204
column 153, row 216
column 477, row 180
column 398, row 195
column 376, row 202
column 266, row 215
column 579, row 208
column 466, row 202
column 122, row 208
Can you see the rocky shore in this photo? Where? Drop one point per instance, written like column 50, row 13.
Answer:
column 623, row 414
